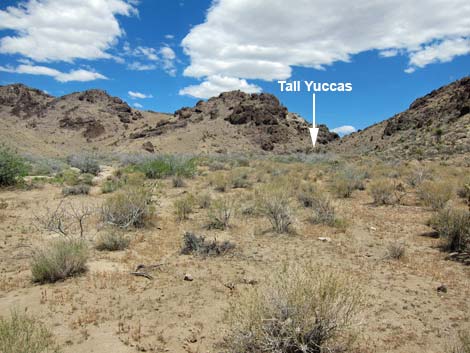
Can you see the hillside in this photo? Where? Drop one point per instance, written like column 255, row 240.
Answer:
column 90, row 120
column 437, row 124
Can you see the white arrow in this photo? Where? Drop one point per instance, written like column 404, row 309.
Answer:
column 313, row 130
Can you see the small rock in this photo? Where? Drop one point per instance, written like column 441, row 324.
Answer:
column 148, row 146
column 373, row 228
column 442, row 288
column 188, row 277
column 327, row 239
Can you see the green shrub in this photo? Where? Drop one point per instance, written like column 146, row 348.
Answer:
column 86, row 179
column 62, row 259
column 23, row 334
column 435, row 194
column 453, row 226
column 299, row 308
column 112, row 241
column 220, row 182
column 12, row 167
column 193, row 244
column 80, row 189
column 128, row 207
column 164, row 166
column 220, row 213
column 110, row 185
column 183, row 207
column 68, row 177
column 239, row 179
column 86, row 163
column 273, row 202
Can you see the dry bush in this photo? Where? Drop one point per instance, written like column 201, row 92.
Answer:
column 348, row 180
column 204, row 200
column 307, row 194
column 385, row 192
column 178, row 182
column 300, row 308
column 418, row 175
column 435, row 194
column 61, row 259
column 86, row 163
column 23, row 334
column 274, row 203
column 112, row 240
column 66, row 219
column 239, row 179
column 128, row 207
column 324, row 212
column 396, row 250
column 80, row 189
column 220, row 213
column 184, row 206
column 220, row 182
column 463, row 345
column 453, row 226
column 193, row 244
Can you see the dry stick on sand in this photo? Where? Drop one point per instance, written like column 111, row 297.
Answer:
column 139, row 270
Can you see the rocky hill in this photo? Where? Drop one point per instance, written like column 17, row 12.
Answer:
column 436, row 125
column 232, row 122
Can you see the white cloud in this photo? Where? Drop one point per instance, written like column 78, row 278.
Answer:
column 264, row 39
column 169, row 36
column 168, row 60
column 138, row 105
column 138, row 66
column 80, row 75
column 216, row 84
column 439, row 52
column 63, row 30
column 139, row 95
column 344, row 130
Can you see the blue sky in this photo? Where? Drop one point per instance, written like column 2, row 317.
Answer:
column 165, row 54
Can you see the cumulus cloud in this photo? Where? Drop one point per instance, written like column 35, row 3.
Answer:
column 63, row 30
column 344, row 130
column 264, row 39
column 168, row 60
column 213, row 85
column 80, row 75
column 138, row 66
column 139, row 95
column 138, row 105
column 151, row 58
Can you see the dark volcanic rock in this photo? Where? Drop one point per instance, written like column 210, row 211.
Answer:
column 25, row 102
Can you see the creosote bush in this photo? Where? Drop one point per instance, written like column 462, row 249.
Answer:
column 80, row 189
column 86, row 163
column 184, row 206
column 112, row 240
column 61, row 259
column 435, row 194
column 12, row 167
column 219, row 214
column 274, row 203
column 128, row 207
column 300, row 308
column 21, row 333
column 384, row 192
column 193, row 244
column 453, row 226
column 348, row 180
column 165, row 166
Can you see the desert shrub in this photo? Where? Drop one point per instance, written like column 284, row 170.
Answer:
column 165, row 166
column 396, row 250
column 384, row 192
column 23, row 334
column 463, row 344
column 12, row 167
column 44, row 166
column 184, row 206
column 68, row 177
column 86, row 163
column 178, row 182
column 348, row 180
column 274, row 204
column 110, row 185
column 300, row 308
column 215, row 165
column 307, row 194
column 435, row 194
column 453, row 226
column 324, row 212
column 61, row 259
column 239, row 179
column 86, row 179
column 80, row 189
column 220, row 213
column 193, row 244
column 418, row 175
column 112, row 240
column 204, row 200
column 220, row 182
column 128, row 207
column 464, row 191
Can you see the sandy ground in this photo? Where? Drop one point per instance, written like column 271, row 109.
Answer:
column 109, row 310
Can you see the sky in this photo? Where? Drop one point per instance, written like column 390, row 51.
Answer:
column 162, row 55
